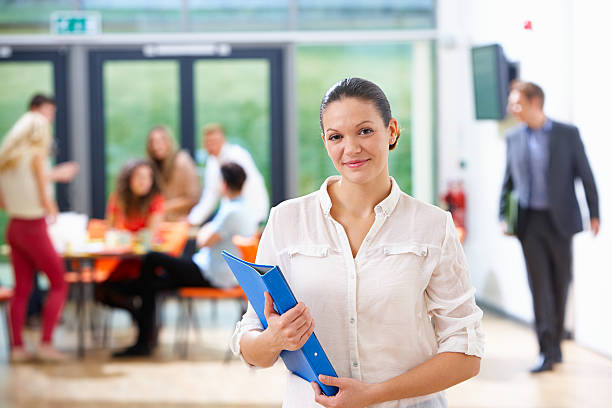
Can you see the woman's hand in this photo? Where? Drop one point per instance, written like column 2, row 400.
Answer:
column 51, row 209
column 352, row 393
column 290, row 330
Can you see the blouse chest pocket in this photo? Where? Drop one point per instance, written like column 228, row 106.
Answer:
column 406, row 263
column 313, row 272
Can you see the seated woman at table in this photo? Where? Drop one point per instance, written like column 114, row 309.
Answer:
column 136, row 206
column 207, row 267
column 176, row 173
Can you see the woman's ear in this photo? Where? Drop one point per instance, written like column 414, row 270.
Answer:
column 393, row 131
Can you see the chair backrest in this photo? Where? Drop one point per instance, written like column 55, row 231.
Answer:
column 247, row 246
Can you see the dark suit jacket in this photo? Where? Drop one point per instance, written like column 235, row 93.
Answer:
column 567, row 161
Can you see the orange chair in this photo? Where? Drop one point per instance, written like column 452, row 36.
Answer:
column 187, row 295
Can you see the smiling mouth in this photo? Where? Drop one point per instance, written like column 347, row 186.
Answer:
column 353, row 164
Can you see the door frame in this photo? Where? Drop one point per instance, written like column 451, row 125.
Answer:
column 275, row 58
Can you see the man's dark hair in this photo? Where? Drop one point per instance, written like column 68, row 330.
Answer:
column 233, row 175
column 361, row 89
column 40, row 99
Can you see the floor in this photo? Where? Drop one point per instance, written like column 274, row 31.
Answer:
column 203, row 380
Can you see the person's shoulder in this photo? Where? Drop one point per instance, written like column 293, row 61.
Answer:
column 564, row 127
column 410, row 206
column 295, row 206
column 514, row 132
column 183, row 159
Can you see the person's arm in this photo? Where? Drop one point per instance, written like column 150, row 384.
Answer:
column 259, row 347
column 288, row 331
column 39, row 171
column 185, row 167
column 507, row 187
column 436, row 374
column 210, row 194
column 583, row 170
column 507, row 184
column 207, row 236
column 63, row 172
column 456, row 319
column 157, row 214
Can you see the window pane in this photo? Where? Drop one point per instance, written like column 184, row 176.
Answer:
column 21, row 80
column 235, row 94
column 138, row 15
column 29, row 16
column 137, row 96
column 318, row 68
column 365, row 14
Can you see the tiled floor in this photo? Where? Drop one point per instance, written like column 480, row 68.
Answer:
column 583, row 380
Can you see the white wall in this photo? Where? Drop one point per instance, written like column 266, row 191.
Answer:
column 564, row 53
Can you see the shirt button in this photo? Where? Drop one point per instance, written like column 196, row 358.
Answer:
column 352, row 320
column 355, row 364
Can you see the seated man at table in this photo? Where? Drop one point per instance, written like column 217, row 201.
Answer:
column 207, row 268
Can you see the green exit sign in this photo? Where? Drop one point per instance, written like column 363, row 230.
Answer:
column 76, row 22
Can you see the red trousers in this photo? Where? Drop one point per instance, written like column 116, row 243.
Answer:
column 32, row 251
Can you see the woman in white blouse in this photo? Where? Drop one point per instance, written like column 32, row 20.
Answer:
column 381, row 275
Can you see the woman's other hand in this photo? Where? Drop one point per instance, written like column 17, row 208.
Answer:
column 290, row 330
column 351, row 393
column 64, row 172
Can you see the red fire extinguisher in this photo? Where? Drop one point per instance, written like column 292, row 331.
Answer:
column 453, row 200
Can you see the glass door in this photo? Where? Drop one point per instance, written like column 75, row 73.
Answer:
column 131, row 92
column 235, row 94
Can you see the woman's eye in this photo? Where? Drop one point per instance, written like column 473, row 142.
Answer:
column 365, row 131
column 334, row 137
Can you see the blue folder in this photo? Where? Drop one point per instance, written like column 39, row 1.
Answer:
column 307, row 362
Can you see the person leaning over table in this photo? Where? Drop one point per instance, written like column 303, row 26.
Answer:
column 26, row 195
column 373, row 268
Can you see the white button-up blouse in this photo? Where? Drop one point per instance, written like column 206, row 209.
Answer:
column 405, row 297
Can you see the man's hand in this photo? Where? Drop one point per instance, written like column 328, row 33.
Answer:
column 503, row 226
column 352, row 393
column 595, row 226
column 290, row 330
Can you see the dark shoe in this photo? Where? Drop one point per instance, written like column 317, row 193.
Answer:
column 545, row 363
column 136, row 350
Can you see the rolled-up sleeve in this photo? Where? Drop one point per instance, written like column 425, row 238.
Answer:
column 450, row 300
column 266, row 254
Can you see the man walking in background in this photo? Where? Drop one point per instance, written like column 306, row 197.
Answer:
column 543, row 159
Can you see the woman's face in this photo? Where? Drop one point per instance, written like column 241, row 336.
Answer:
column 159, row 145
column 141, row 180
column 357, row 140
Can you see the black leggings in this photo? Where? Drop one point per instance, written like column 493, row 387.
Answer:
column 159, row 272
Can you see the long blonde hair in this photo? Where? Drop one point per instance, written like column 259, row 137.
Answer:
column 163, row 168
column 30, row 134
